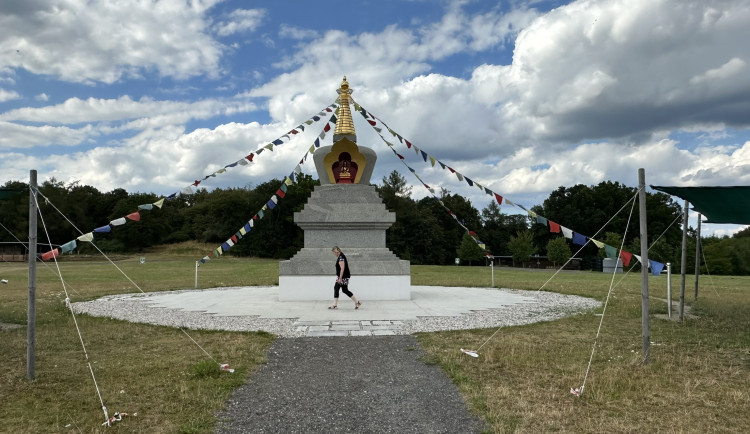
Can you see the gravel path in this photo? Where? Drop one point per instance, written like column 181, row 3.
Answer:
column 347, row 385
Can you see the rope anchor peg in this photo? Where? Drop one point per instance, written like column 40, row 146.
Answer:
column 116, row 418
column 577, row 391
column 471, row 353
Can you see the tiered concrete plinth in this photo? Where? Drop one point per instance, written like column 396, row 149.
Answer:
column 353, row 217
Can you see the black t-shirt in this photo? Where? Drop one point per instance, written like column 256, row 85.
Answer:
column 342, row 260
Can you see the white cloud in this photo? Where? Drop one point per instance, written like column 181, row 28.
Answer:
column 42, row 97
column 594, row 91
column 598, row 69
column 24, row 136
column 287, row 31
column 241, row 20
column 75, row 110
column 165, row 160
column 725, row 71
column 100, row 40
column 7, row 95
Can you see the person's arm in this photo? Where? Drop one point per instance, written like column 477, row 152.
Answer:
column 342, row 267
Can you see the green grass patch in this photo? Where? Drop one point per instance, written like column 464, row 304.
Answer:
column 154, row 371
column 698, row 379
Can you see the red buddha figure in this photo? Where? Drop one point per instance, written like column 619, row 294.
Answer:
column 344, row 170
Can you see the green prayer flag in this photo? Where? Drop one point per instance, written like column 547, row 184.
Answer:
column 611, row 251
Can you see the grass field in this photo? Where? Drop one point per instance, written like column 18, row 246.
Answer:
column 697, row 380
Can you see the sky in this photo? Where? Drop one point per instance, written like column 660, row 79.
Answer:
column 521, row 96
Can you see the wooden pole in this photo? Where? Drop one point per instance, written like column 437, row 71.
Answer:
column 697, row 255
column 645, row 328
column 31, row 314
column 683, row 262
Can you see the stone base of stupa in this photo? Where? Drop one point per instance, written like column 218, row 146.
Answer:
column 354, row 218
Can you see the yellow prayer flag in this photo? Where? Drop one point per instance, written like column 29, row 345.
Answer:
column 159, row 203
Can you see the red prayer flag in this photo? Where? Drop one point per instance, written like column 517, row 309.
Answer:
column 293, row 132
column 400, row 156
column 51, row 254
column 451, row 169
column 250, row 157
column 499, row 199
column 327, row 128
column 626, row 257
column 408, row 145
column 553, row 227
column 234, row 239
column 196, row 183
column 373, row 123
column 134, row 216
column 255, row 217
column 280, row 193
column 328, row 109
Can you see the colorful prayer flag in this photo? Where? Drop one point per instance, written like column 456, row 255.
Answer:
column 579, row 239
column 656, row 267
column 553, row 227
column 626, row 257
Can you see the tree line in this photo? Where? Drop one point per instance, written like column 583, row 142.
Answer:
column 424, row 232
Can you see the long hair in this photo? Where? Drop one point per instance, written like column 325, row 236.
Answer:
column 336, row 249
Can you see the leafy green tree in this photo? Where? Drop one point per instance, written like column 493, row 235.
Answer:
column 469, row 250
column 522, row 246
column 497, row 228
column 727, row 256
column 589, row 210
column 394, row 185
column 558, row 250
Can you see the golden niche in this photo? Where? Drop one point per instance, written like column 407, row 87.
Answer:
column 344, row 163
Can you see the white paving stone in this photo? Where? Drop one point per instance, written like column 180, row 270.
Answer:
column 258, row 309
column 360, row 333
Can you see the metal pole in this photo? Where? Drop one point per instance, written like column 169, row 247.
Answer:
column 492, row 267
column 683, row 262
column 669, row 290
column 646, row 332
column 196, row 274
column 697, row 255
column 31, row 315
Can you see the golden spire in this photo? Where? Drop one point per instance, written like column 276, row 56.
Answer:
column 344, row 123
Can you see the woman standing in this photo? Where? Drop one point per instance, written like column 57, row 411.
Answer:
column 342, row 279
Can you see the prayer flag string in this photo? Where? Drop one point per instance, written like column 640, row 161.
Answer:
column 554, row 227
column 272, row 201
column 188, row 190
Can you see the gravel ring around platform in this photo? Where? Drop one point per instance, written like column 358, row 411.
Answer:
column 549, row 306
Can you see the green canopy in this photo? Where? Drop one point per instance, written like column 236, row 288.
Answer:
column 717, row 204
column 8, row 192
